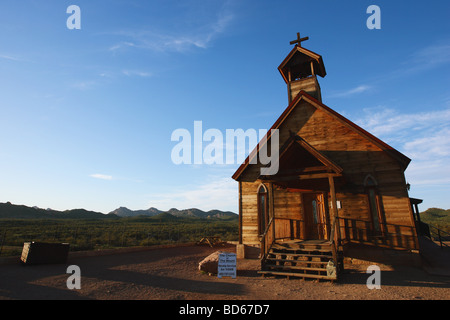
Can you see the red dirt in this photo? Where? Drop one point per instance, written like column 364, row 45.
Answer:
column 172, row 274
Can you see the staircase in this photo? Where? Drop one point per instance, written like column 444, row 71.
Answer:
column 305, row 259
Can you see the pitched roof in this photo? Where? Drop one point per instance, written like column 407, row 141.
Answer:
column 299, row 160
column 401, row 158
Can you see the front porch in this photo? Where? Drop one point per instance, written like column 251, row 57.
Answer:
column 306, row 235
column 303, row 243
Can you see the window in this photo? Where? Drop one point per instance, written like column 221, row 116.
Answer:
column 262, row 209
column 374, row 209
column 314, row 209
column 369, row 181
column 374, row 206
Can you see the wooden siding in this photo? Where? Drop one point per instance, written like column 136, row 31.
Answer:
column 249, row 212
column 288, row 214
column 309, row 85
column 287, row 204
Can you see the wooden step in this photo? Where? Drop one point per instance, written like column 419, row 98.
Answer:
column 274, row 266
column 299, row 245
column 298, row 258
column 297, row 261
column 296, row 274
column 303, row 255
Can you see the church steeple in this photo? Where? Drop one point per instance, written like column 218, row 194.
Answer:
column 300, row 70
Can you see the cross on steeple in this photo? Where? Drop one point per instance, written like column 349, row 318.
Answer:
column 299, row 40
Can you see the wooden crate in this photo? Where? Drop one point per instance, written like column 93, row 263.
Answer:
column 44, row 253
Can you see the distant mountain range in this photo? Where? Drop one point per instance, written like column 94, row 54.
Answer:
column 125, row 212
column 190, row 213
column 12, row 211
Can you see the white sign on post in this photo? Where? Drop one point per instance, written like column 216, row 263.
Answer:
column 227, row 265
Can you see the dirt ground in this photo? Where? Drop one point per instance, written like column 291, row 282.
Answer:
column 172, row 274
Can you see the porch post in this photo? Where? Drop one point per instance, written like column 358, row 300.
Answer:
column 240, row 212
column 271, row 209
column 416, row 207
column 334, row 204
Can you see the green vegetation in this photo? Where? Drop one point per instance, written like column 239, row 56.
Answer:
column 93, row 234
column 89, row 230
column 439, row 218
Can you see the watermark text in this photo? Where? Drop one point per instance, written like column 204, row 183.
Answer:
column 213, row 147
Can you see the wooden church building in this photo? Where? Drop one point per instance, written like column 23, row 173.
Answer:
column 339, row 195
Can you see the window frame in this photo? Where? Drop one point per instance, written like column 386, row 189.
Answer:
column 263, row 217
column 377, row 220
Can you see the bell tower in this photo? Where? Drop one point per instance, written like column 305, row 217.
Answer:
column 300, row 70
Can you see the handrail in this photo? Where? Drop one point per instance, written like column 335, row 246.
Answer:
column 368, row 221
column 332, row 231
column 333, row 243
column 264, row 248
column 267, row 229
column 439, row 236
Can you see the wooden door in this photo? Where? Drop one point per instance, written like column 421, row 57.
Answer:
column 314, row 216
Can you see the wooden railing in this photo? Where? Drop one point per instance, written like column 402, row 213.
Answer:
column 439, row 235
column 284, row 230
column 335, row 240
column 267, row 239
column 288, row 228
column 391, row 235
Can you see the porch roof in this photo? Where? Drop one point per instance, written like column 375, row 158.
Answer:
column 298, row 161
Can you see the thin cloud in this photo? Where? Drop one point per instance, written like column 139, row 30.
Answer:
column 351, row 92
column 428, row 57
column 84, row 85
column 424, row 59
column 9, row 57
column 200, row 36
column 423, row 136
column 138, row 73
column 101, row 176
column 388, row 122
column 429, row 173
column 121, row 45
column 435, row 145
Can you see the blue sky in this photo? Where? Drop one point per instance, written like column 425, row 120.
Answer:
column 86, row 116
